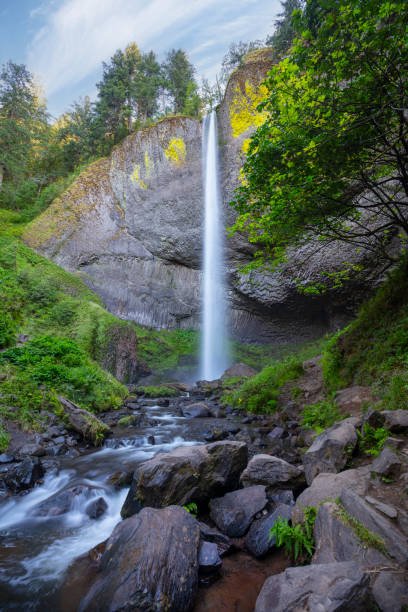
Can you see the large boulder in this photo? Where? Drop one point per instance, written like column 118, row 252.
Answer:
column 150, row 563
column 395, row 542
column 331, row 450
column 396, row 420
column 234, row 512
column 196, row 411
column 330, row 587
column 258, row 539
column 270, row 471
column 328, row 487
column 83, row 422
column 189, row 473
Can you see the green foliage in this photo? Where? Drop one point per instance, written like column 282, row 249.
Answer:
column 179, row 77
column 320, row 416
column 372, row 439
column 164, row 350
column 4, row 439
column 334, row 128
column 284, row 34
column 59, row 364
column 191, row 508
column 373, row 349
column 297, row 539
column 157, row 391
column 260, row 393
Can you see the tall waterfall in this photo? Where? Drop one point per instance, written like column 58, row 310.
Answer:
column 214, row 346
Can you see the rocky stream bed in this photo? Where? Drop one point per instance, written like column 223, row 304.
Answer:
column 86, row 529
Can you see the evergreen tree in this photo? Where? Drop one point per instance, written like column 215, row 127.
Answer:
column 147, row 83
column 285, row 32
column 179, row 75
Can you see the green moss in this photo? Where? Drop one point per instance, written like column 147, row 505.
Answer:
column 365, row 536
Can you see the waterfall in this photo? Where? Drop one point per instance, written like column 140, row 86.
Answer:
column 214, row 346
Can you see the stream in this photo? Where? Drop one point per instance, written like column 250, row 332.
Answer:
column 36, row 550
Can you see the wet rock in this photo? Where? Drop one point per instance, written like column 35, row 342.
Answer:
column 209, row 560
column 352, row 400
column 215, row 435
column 396, row 420
column 329, row 486
column 121, row 479
column 162, row 575
column 151, row 440
column 335, row 540
column 62, row 502
column 327, row 587
column 196, row 411
column 396, row 544
column 24, row 475
column 96, row 508
column 5, row 458
column 270, row 471
column 239, row 370
column 210, row 534
column 387, row 464
column 190, row 473
column 83, row 422
column 32, row 449
column 234, row 512
column 258, row 539
column 331, row 450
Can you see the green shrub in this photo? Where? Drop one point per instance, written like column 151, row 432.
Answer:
column 321, row 415
column 260, row 393
column 297, row 539
column 157, row 391
column 372, row 439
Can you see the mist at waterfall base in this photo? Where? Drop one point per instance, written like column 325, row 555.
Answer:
column 214, row 358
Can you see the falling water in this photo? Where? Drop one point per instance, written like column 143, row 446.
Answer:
column 214, row 351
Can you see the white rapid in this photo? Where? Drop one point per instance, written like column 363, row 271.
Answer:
column 214, row 346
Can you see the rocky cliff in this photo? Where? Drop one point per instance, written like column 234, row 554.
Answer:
column 131, row 226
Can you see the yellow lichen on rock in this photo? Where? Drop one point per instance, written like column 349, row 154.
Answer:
column 243, row 110
column 176, row 151
column 136, row 178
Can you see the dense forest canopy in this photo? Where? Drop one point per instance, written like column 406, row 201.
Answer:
column 331, row 159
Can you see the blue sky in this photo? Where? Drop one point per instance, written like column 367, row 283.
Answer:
column 63, row 42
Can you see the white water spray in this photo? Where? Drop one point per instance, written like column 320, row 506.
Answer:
column 214, row 351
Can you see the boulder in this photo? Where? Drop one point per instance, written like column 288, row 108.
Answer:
column 196, row 411
column 390, row 591
column 335, row 540
column 189, row 473
column 96, row 508
column 396, row 420
column 150, row 563
column 209, row 560
column 352, row 400
column 83, row 422
column 325, row 587
column 24, row 475
column 270, row 471
column 395, row 542
column 331, row 450
column 328, row 487
column 258, row 539
column 210, row 534
column 387, row 464
column 234, row 512
column 63, row 501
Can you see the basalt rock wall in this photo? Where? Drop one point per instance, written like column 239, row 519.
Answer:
column 130, row 225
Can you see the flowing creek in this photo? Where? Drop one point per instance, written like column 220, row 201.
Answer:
column 36, row 550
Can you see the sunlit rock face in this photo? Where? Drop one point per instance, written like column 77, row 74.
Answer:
column 131, row 226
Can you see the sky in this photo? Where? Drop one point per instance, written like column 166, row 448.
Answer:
column 64, row 42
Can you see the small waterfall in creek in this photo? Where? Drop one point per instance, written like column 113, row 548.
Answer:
column 214, row 347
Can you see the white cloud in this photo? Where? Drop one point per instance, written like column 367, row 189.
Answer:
column 78, row 35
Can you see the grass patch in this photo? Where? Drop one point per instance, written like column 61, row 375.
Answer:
column 321, row 415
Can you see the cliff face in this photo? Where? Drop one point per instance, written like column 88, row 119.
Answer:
column 131, row 226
